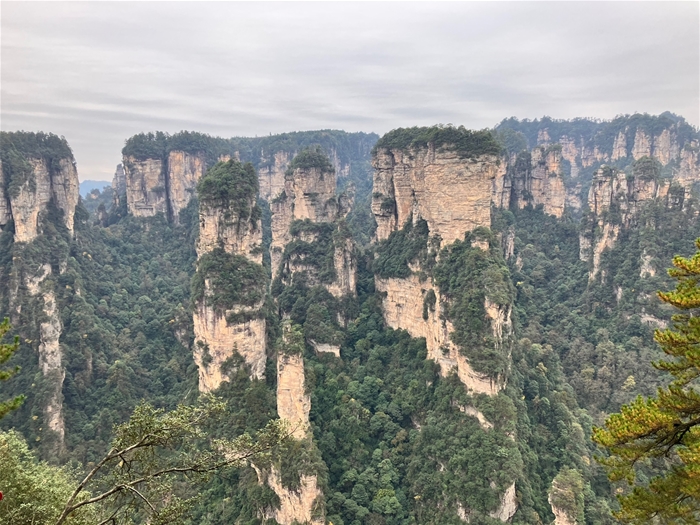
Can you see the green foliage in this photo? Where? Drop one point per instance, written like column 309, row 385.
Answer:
column 34, row 491
column 145, row 146
column 6, row 352
column 664, row 426
column 466, row 143
column 154, row 450
column 403, row 247
column 231, row 186
column 467, row 276
column 235, row 281
column 647, row 168
column 16, row 148
column 566, row 494
column 312, row 157
column 312, row 247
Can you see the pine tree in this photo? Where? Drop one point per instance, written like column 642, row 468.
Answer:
column 662, row 433
column 7, row 351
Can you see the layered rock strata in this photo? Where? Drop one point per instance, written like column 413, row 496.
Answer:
column 310, row 195
column 453, row 194
column 293, row 406
column 540, row 181
column 30, row 200
column 237, row 329
column 614, row 202
column 402, row 305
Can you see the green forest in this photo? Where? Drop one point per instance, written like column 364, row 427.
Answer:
column 391, row 440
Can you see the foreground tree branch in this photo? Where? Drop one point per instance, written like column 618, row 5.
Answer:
column 153, row 449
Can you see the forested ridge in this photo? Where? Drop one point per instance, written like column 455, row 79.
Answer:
column 391, row 440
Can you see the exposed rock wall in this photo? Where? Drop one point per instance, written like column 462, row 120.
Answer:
column 310, row 194
column 451, row 193
column 119, row 185
column 614, row 201
column 540, row 182
column 5, row 213
column 225, row 229
column 51, row 364
column 271, row 174
column 184, row 172
column 293, row 403
column 146, row 191
column 402, row 306
column 31, row 200
column 295, row 505
column 216, row 339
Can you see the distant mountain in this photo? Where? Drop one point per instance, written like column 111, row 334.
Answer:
column 87, row 186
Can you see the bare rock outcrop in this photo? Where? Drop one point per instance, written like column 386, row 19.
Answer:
column 146, row 192
column 184, row 172
column 30, row 199
column 614, row 202
column 540, row 180
column 450, row 192
column 229, row 256
column 402, row 305
column 309, row 197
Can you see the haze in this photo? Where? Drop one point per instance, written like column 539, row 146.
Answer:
column 98, row 73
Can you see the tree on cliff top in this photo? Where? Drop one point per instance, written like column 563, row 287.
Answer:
column 7, row 351
column 664, row 429
column 231, row 185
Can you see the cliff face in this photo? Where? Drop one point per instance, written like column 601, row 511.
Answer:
column 38, row 174
column 309, row 195
column 184, row 171
column 402, row 306
column 614, row 201
column 228, row 251
column 540, row 181
column 293, row 403
column 451, row 193
column 31, row 198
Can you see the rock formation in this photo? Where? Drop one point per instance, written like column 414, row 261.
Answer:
column 184, row 171
column 308, row 211
column 453, row 194
column 293, row 406
column 146, row 192
column 402, row 305
column 540, row 180
column 229, row 254
column 28, row 200
column 35, row 181
column 614, row 202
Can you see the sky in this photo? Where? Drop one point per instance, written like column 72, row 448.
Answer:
column 100, row 72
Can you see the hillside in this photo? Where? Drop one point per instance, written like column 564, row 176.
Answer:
column 441, row 314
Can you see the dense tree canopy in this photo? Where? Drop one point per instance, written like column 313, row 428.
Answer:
column 666, row 426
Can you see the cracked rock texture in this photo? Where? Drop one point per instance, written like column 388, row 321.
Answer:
column 451, row 193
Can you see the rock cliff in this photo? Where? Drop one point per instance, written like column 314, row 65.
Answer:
column 308, row 212
column 229, row 324
column 615, row 199
column 44, row 181
column 146, row 192
column 402, row 305
column 537, row 179
column 452, row 193
column 38, row 188
column 184, row 172
column 293, row 406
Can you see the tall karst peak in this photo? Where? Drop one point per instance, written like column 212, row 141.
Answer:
column 229, row 285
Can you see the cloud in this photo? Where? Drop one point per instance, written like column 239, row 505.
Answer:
column 98, row 72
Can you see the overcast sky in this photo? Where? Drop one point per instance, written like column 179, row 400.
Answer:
column 98, row 73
